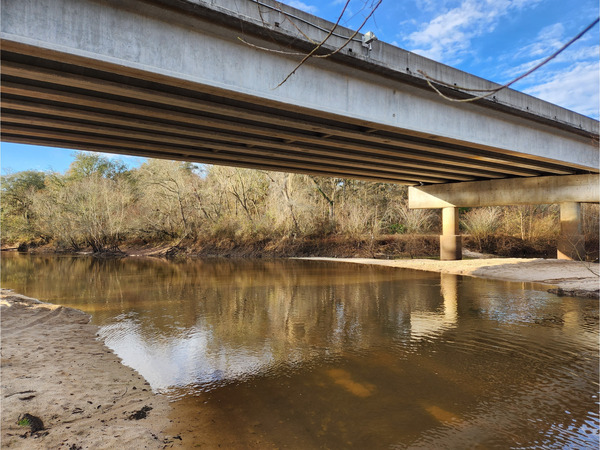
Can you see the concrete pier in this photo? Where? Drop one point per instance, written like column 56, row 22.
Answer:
column 571, row 243
column 568, row 191
column 450, row 240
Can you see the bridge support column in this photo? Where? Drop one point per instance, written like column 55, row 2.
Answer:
column 450, row 240
column 571, row 242
column 567, row 190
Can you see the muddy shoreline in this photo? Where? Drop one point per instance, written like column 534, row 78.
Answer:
column 338, row 246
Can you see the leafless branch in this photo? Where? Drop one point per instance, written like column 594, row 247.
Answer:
column 312, row 54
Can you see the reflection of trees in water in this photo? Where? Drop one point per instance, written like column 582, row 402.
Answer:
column 249, row 301
column 291, row 307
column 242, row 302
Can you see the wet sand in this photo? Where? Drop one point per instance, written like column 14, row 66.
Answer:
column 54, row 368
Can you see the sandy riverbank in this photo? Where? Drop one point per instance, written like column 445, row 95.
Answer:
column 55, row 369
column 560, row 276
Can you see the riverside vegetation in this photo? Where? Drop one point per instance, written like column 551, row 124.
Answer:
column 100, row 205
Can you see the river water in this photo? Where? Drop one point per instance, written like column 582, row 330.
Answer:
column 304, row 354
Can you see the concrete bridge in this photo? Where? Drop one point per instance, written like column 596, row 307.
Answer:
column 196, row 80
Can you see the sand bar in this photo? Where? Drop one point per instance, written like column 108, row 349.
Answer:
column 54, row 368
column 571, row 277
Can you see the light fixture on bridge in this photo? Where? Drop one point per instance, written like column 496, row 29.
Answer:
column 368, row 38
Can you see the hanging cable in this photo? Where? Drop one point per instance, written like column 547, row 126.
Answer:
column 327, row 37
column 431, row 80
column 308, row 22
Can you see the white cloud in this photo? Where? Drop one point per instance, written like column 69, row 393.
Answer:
column 574, row 88
column 116, row 156
column 590, row 52
column 570, row 56
column 311, row 9
column 548, row 40
column 431, row 5
column 520, row 69
column 571, row 80
column 448, row 36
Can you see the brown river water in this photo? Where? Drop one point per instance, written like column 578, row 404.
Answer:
column 305, row 354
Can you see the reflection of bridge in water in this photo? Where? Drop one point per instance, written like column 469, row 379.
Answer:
column 172, row 79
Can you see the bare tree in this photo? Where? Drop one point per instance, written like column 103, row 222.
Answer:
column 92, row 211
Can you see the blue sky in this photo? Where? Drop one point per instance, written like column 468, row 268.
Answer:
column 494, row 39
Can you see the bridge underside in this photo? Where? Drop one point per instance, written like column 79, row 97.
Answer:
column 172, row 79
column 70, row 101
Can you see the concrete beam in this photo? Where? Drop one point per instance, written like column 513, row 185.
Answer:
column 512, row 191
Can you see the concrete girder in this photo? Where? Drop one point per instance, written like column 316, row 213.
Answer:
column 511, row 191
column 452, row 159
